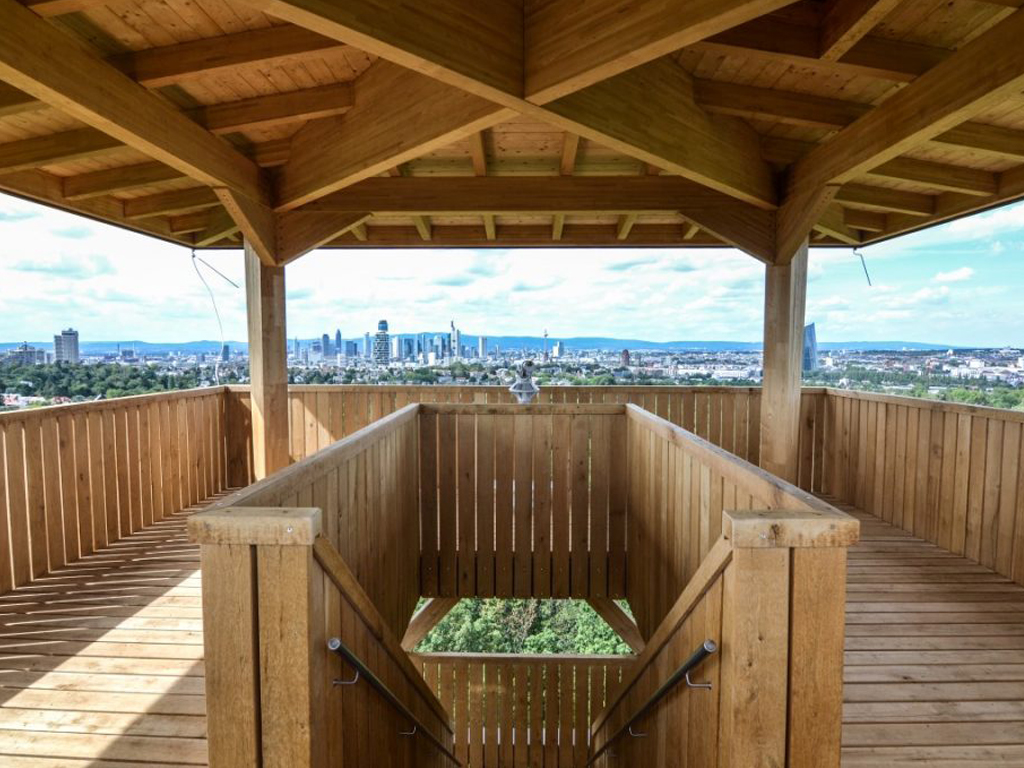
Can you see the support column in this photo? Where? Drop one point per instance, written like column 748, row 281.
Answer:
column 268, row 367
column 785, row 299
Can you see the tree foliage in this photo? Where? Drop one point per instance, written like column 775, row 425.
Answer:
column 523, row 626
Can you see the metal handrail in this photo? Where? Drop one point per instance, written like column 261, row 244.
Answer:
column 335, row 645
column 706, row 648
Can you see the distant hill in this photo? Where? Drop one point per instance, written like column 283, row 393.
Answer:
column 507, row 342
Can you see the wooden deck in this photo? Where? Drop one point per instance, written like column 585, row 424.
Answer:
column 935, row 657
column 101, row 664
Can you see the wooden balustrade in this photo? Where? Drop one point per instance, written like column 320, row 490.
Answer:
column 771, row 593
column 522, row 710
column 946, row 472
column 75, row 478
column 678, row 486
column 367, row 486
column 319, row 415
column 274, row 592
column 522, row 502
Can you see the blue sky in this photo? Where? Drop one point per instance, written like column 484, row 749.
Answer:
column 961, row 284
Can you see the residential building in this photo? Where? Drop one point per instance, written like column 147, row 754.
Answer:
column 65, row 346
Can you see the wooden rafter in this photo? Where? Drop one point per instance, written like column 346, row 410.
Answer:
column 832, row 223
column 625, row 225
column 478, row 153
column 846, row 22
column 299, row 232
column 570, row 146
column 82, row 85
column 868, row 221
column 423, row 227
column 266, row 111
column 885, row 200
column 572, row 45
column 983, row 72
column 620, row 621
column 171, row 203
column 55, row 148
column 490, row 227
column 122, row 179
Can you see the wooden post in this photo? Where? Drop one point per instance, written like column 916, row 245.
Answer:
column 785, row 298
column 264, row 638
column 783, row 626
column 268, row 369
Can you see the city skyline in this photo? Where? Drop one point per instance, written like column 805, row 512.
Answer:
column 957, row 284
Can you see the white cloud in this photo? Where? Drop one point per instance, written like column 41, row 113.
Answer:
column 954, row 276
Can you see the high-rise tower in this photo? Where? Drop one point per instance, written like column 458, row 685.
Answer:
column 65, row 346
column 381, row 344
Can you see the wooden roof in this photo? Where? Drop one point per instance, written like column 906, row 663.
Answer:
column 513, row 122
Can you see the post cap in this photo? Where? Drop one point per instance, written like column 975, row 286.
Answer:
column 789, row 528
column 278, row 526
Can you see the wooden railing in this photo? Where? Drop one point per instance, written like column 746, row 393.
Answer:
column 319, row 415
column 275, row 591
column 678, row 488
column 948, row 473
column 770, row 591
column 522, row 502
column 517, row 710
column 76, row 478
column 367, row 487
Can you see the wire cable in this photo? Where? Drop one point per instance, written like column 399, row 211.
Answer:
column 864, row 264
column 216, row 312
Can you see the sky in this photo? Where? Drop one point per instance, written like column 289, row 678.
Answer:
column 960, row 284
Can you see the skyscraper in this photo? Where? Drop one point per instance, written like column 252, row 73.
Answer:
column 625, row 358
column 396, row 348
column 810, row 348
column 65, row 346
column 381, row 342
column 367, row 346
column 325, row 345
column 297, row 349
column 339, row 348
column 225, row 353
column 481, row 347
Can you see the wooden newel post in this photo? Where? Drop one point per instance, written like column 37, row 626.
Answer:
column 783, row 628
column 264, row 636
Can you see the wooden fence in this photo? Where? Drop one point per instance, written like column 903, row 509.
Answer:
column 367, row 486
column 517, row 710
column 76, row 478
column 948, row 473
column 522, row 503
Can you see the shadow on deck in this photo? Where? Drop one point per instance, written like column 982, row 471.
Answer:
column 101, row 663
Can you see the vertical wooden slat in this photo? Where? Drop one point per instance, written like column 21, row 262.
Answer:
column 50, row 462
column 83, row 486
column 17, row 503
column 429, row 583
column 35, row 497
column 541, row 507
column 447, row 473
column 580, row 504
column 98, row 480
column 561, row 430
column 466, row 469
column 600, row 471
column 522, row 585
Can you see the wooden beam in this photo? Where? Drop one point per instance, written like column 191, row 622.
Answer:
column 55, row 148
column 171, row 203
column 377, row 133
column 748, row 228
column 803, row 109
column 522, row 194
column 15, row 102
column 425, row 619
column 47, row 189
column 796, row 218
column 620, row 621
column 359, row 231
column 883, row 199
column 268, row 369
column 122, row 179
column 557, row 226
column 846, row 22
column 572, row 45
column 523, row 235
column 181, row 62
column 299, row 232
column 40, row 59
column 626, row 222
column 779, row 41
column 784, row 306
column 422, row 224
column 570, row 146
column 489, row 226
column 256, row 223
column 477, row 153
column 199, row 221
column 276, row 109
column 477, row 47
column 219, row 224
column 649, row 113
column 868, row 221
column 691, row 231
column 984, row 72
column 832, row 222
column 948, row 178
